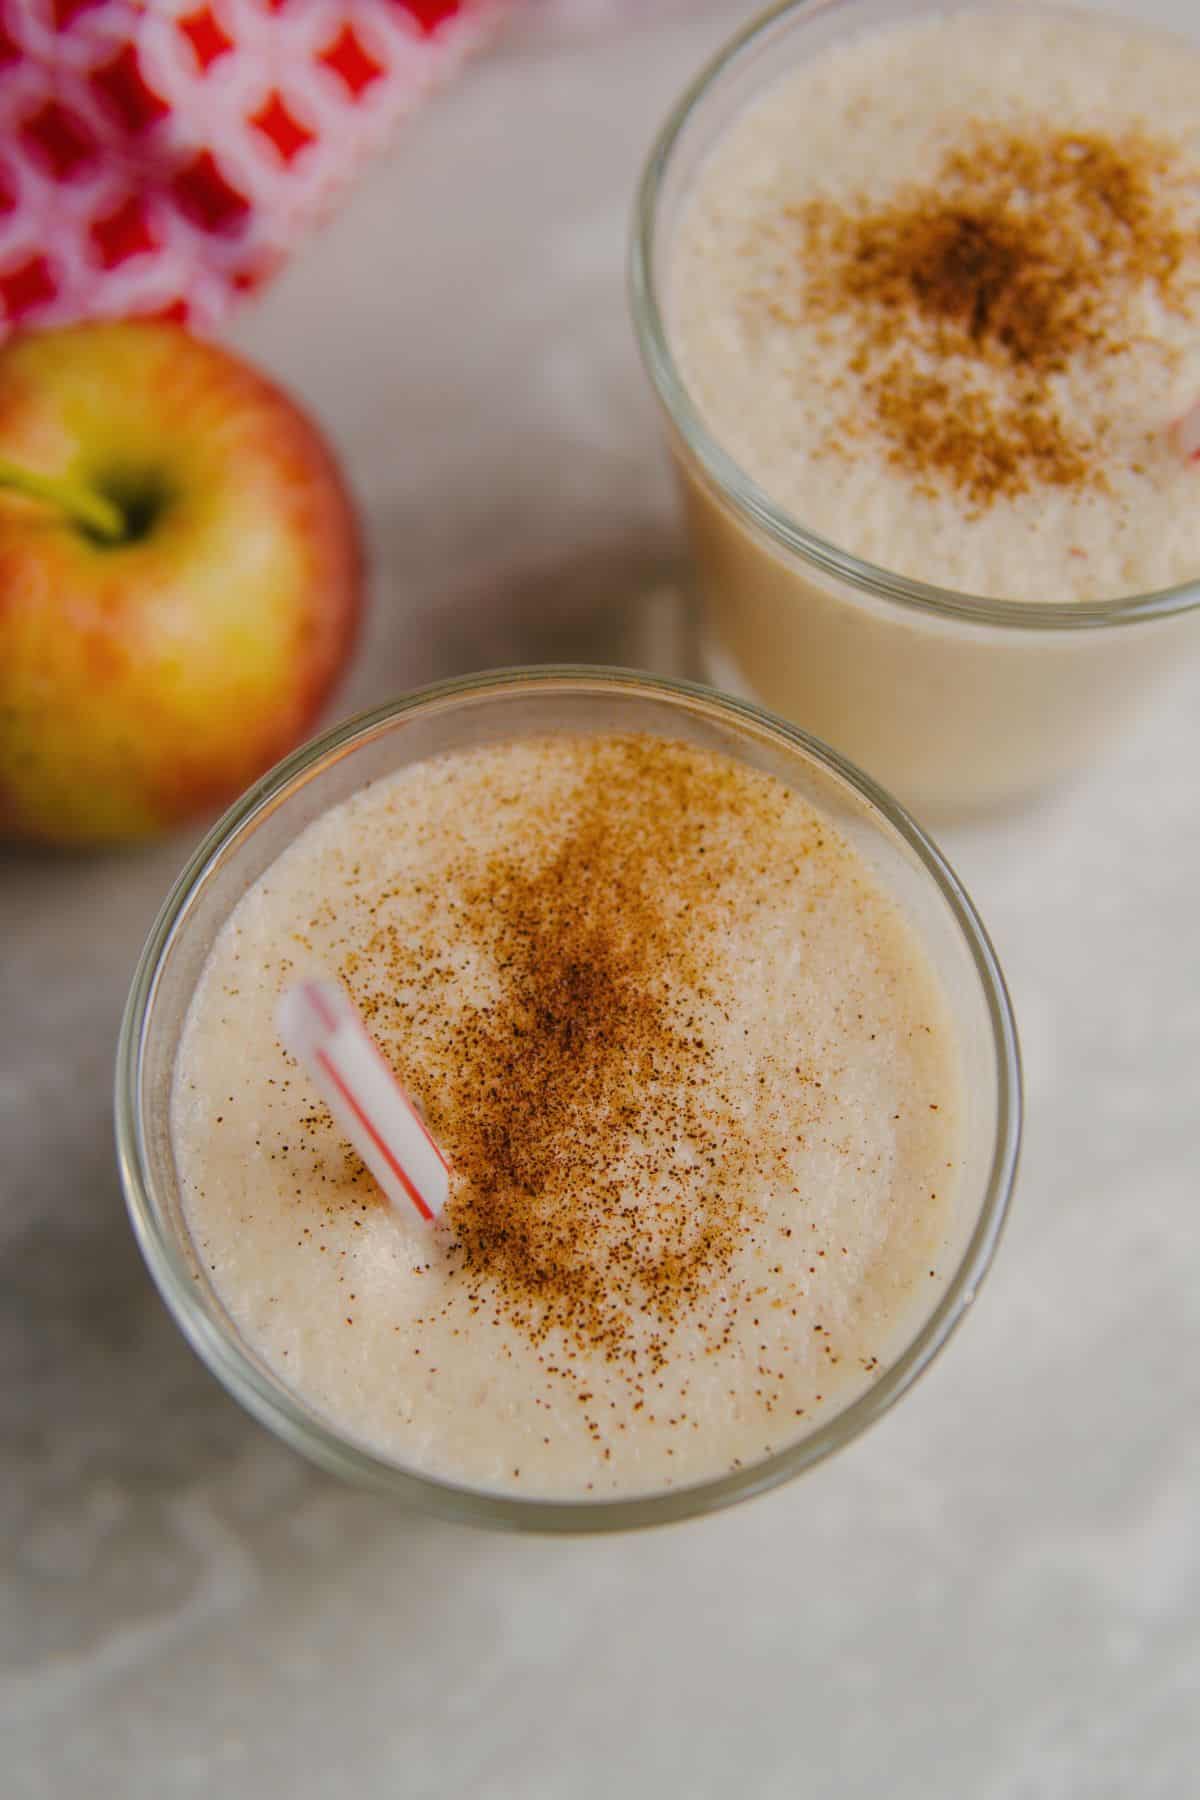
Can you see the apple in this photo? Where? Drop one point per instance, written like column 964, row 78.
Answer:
column 180, row 579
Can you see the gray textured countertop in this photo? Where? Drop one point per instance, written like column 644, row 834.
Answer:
column 995, row 1593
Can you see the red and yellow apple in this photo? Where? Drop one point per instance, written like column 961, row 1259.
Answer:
column 180, row 579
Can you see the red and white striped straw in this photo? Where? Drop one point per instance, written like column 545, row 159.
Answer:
column 1184, row 434
column 321, row 1027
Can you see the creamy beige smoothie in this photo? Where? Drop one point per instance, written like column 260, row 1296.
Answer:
column 697, row 1080
column 935, row 291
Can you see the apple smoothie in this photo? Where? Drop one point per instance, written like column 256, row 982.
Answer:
column 697, row 1079
column 930, row 285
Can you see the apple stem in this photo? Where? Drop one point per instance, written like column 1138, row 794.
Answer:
column 98, row 515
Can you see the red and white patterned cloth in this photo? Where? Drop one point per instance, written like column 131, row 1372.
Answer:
column 163, row 156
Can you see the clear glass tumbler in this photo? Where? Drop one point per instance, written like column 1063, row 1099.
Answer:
column 496, row 708
column 958, row 703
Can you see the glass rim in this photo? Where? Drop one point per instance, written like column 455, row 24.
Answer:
column 282, row 1410
column 747, row 499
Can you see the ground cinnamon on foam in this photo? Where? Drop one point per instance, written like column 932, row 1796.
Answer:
column 972, row 292
column 695, row 1077
column 589, row 1078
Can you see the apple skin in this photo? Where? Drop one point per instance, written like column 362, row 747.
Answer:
column 145, row 681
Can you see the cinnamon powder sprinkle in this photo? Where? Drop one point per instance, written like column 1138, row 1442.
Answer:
column 601, row 1174
column 1029, row 254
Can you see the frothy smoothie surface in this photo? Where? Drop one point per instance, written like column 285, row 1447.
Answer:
column 938, row 293
column 696, row 1078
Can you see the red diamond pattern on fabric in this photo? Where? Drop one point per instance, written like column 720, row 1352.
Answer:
column 164, row 157
column 123, row 88
column 123, row 233
column 61, row 140
column 204, row 33
column 347, row 58
column 27, row 287
column 204, row 196
column 429, row 14
column 282, row 127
